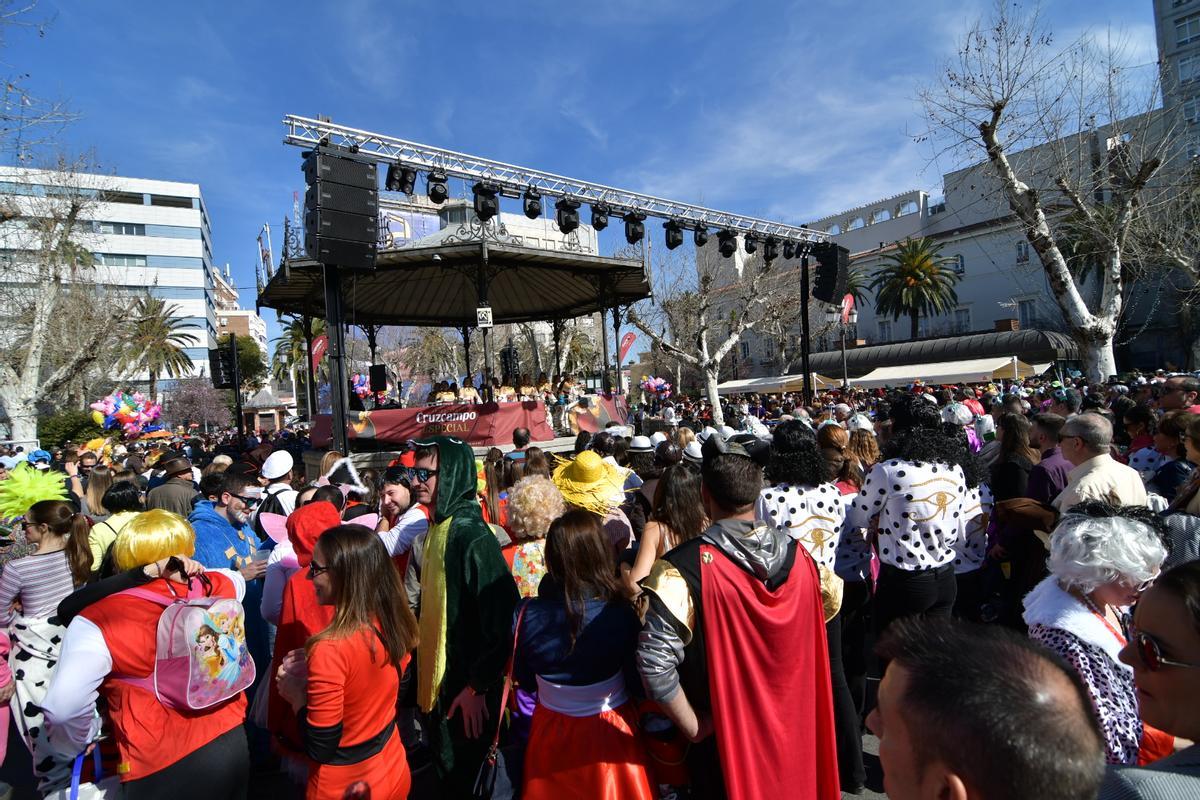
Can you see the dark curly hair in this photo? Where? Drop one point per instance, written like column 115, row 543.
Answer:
column 795, row 456
column 942, row 443
column 911, row 411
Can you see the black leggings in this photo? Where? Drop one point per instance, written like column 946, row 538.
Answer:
column 220, row 769
column 902, row 593
column 847, row 733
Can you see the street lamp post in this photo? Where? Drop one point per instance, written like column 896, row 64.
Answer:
column 834, row 317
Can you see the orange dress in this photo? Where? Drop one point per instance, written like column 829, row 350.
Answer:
column 351, row 688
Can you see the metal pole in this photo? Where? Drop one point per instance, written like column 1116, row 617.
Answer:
column 605, row 386
column 310, row 371
column 845, row 373
column 466, row 334
column 616, row 315
column 481, row 292
column 237, row 392
column 337, row 356
column 556, row 328
column 804, row 341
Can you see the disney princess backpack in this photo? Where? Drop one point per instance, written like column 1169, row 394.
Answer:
column 201, row 657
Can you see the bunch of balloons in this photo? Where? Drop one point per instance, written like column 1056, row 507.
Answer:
column 133, row 413
column 656, row 386
column 361, row 386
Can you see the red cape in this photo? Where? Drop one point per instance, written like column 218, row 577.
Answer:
column 768, row 672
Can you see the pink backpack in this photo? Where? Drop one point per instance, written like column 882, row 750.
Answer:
column 201, row 657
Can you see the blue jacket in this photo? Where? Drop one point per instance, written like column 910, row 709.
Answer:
column 219, row 545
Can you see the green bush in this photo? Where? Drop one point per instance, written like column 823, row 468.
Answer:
column 67, row 426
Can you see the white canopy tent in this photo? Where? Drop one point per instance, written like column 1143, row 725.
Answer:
column 976, row 370
column 775, row 385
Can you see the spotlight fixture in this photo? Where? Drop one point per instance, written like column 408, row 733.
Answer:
column 635, row 228
column 700, row 237
column 566, row 214
column 487, row 204
column 789, row 250
column 435, row 187
column 727, row 243
column 750, row 244
column 600, row 216
column 532, row 203
column 674, row 234
column 770, row 249
column 400, row 179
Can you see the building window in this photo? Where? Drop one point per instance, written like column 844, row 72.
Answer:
column 906, row 208
column 130, row 198
column 745, row 349
column 1027, row 314
column 962, row 320
column 1022, row 252
column 123, row 228
column 959, row 265
column 1191, row 110
column 118, row 260
column 834, row 229
column 880, row 215
column 885, row 330
column 1189, row 68
column 855, row 224
column 1187, row 29
column 170, row 201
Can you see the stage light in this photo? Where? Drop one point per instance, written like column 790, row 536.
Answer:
column 532, row 203
column 600, row 216
column 727, row 243
column 487, row 204
column 700, row 237
column 635, row 228
column 566, row 214
column 400, row 179
column 436, row 187
column 770, row 249
column 750, row 244
column 674, row 234
column 789, row 250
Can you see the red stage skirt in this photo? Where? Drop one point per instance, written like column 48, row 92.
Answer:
column 590, row 758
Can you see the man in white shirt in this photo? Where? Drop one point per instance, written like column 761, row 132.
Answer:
column 1085, row 440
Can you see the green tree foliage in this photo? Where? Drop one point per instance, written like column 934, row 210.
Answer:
column 67, row 426
column 916, row 280
column 252, row 363
column 159, row 341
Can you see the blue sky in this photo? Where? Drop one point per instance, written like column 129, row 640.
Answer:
column 785, row 110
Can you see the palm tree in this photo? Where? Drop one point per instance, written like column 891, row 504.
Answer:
column 291, row 351
column 916, row 280
column 159, row 340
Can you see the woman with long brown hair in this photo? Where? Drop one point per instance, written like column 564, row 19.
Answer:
column 677, row 516
column 345, row 683
column 575, row 644
column 93, row 498
column 38, row 583
column 1010, row 473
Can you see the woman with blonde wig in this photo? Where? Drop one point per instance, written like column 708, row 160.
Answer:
column 533, row 503
column 110, row 650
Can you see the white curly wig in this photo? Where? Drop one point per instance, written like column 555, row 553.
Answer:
column 533, row 503
column 1089, row 552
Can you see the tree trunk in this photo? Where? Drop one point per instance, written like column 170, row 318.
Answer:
column 22, row 420
column 1097, row 352
column 915, row 319
column 710, row 388
column 153, row 387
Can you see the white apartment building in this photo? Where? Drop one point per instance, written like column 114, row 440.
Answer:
column 147, row 236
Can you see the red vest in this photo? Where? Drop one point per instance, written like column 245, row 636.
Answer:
column 150, row 737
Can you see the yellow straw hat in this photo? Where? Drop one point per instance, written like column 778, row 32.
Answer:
column 589, row 482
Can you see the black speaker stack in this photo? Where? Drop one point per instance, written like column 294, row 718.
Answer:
column 341, row 208
column 833, row 266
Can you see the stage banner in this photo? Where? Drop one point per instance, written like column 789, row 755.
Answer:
column 479, row 424
column 626, row 342
column 320, row 345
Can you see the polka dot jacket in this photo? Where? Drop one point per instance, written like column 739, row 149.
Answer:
column 971, row 548
column 920, row 509
column 811, row 515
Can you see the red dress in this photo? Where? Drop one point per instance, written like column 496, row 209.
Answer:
column 351, row 686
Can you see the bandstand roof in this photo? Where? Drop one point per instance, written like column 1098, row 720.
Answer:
column 435, row 284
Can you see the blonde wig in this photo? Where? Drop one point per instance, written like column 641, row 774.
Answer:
column 151, row 536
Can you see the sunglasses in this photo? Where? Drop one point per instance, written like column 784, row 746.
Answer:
column 1150, row 652
column 315, row 569
column 422, row 475
column 247, row 500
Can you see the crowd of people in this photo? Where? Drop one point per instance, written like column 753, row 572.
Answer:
column 672, row 609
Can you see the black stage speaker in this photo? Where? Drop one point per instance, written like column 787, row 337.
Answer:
column 378, row 373
column 341, row 208
column 833, row 265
